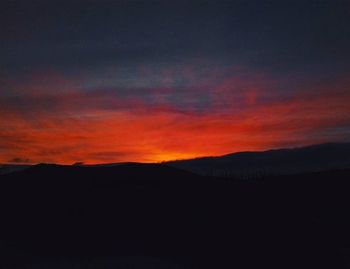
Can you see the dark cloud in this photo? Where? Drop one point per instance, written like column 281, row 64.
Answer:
column 80, row 35
column 19, row 160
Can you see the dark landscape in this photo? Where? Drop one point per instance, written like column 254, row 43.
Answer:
column 174, row 134
column 156, row 216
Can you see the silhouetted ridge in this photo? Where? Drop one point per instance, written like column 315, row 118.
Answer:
column 9, row 168
column 81, row 176
column 129, row 170
column 280, row 161
column 321, row 157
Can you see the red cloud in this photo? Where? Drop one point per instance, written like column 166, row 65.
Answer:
column 102, row 126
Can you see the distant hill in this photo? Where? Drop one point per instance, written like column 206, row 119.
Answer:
column 280, row 161
column 9, row 168
column 81, row 177
column 287, row 161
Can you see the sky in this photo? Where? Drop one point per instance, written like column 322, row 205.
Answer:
column 150, row 81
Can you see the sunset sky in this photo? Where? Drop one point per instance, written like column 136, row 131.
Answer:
column 114, row 81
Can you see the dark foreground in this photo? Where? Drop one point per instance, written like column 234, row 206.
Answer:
column 153, row 216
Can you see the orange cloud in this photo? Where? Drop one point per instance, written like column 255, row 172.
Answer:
column 101, row 126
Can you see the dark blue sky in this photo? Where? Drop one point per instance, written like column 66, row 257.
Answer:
column 85, row 36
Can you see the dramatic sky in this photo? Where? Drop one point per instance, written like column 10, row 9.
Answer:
column 109, row 81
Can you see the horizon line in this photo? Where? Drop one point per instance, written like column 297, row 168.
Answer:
column 82, row 163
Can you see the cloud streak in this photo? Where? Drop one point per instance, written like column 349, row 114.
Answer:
column 239, row 111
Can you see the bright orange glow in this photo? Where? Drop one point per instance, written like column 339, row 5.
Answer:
column 72, row 128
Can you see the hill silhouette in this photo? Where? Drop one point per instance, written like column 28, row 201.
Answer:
column 156, row 216
column 9, row 168
column 280, row 161
column 312, row 158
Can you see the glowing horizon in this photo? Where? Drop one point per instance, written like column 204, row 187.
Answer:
column 98, row 126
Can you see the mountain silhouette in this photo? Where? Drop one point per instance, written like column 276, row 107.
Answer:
column 9, row 168
column 157, row 216
column 312, row 158
column 281, row 161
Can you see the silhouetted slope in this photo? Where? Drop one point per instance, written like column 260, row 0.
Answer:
column 9, row 168
column 249, row 164
column 123, row 172
column 281, row 161
column 100, row 216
